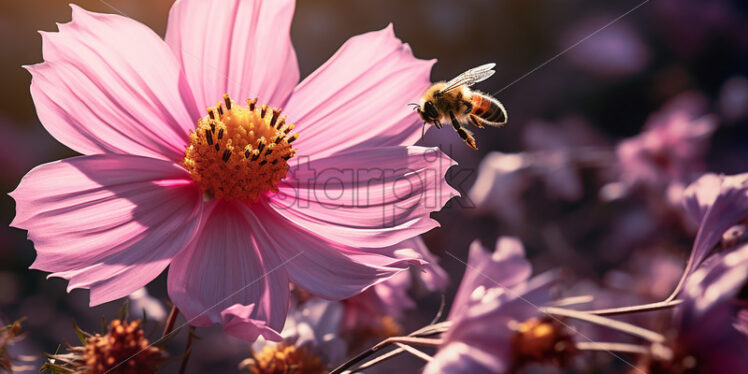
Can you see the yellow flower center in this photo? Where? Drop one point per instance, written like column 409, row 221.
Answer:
column 541, row 340
column 284, row 358
column 240, row 152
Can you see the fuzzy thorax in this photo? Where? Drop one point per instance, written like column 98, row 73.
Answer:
column 240, row 152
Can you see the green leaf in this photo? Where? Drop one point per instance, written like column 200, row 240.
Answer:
column 80, row 333
column 124, row 311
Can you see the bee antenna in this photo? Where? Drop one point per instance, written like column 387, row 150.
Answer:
column 414, row 104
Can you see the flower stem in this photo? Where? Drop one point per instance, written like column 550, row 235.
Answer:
column 636, row 308
column 607, row 322
column 612, row 347
column 410, row 340
column 381, row 358
column 415, row 352
column 187, row 350
column 682, row 280
column 412, row 337
column 171, row 321
column 573, row 300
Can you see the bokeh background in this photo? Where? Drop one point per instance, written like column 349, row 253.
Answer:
column 606, row 88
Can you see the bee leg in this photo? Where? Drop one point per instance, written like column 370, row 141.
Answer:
column 466, row 103
column 468, row 107
column 469, row 140
column 437, row 124
column 475, row 121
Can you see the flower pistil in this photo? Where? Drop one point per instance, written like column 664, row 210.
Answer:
column 239, row 152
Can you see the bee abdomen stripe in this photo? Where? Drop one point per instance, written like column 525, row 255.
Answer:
column 496, row 113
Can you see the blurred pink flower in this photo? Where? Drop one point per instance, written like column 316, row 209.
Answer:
column 501, row 182
column 314, row 324
column 717, row 281
column 142, row 303
column 560, row 149
column 616, row 50
column 741, row 322
column 717, row 203
column 136, row 202
column 670, row 150
column 495, row 295
column 391, row 297
column 708, row 322
column 651, row 274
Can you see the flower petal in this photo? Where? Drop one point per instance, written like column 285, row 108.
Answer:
column 324, row 268
column 359, row 96
column 228, row 263
column 242, row 48
column 714, row 283
column 458, row 357
column 367, row 198
column 433, row 276
column 728, row 208
column 501, row 182
column 237, row 322
column 111, row 85
column 706, row 318
column 700, row 195
column 504, row 269
column 110, row 223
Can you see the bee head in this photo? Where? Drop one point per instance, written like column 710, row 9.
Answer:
column 429, row 111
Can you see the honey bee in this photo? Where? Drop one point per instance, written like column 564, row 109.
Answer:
column 455, row 102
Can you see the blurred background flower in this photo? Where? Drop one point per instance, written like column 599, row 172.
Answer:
column 578, row 215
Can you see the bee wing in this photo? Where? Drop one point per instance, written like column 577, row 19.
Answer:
column 471, row 77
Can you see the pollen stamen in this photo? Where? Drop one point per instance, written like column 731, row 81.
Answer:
column 284, row 357
column 541, row 340
column 227, row 100
column 274, row 120
column 243, row 153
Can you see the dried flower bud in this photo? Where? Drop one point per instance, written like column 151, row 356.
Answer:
column 122, row 349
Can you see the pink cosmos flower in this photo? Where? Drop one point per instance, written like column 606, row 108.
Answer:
column 708, row 322
column 314, row 326
column 741, row 322
column 670, row 150
column 221, row 196
column 502, row 180
column 717, row 203
column 495, row 302
column 391, row 298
